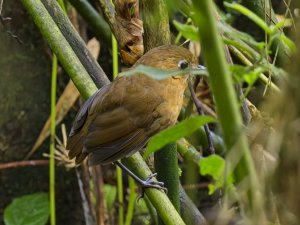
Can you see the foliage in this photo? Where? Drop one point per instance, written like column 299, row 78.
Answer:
column 253, row 63
column 28, row 210
column 182, row 129
column 214, row 166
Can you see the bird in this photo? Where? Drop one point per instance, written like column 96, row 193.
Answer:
column 120, row 118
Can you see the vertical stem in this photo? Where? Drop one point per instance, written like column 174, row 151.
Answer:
column 226, row 102
column 115, row 56
column 131, row 201
column 120, row 196
column 166, row 166
column 155, row 17
column 52, row 141
column 118, row 169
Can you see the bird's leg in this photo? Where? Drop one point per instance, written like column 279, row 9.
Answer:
column 148, row 183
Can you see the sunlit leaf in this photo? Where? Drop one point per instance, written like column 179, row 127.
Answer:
column 214, row 166
column 161, row 74
column 188, row 31
column 28, row 210
column 182, row 129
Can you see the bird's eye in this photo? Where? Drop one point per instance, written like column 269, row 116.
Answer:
column 183, row 64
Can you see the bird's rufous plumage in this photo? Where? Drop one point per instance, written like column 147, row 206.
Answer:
column 119, row 118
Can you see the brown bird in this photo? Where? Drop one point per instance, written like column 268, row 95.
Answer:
column 121, row 117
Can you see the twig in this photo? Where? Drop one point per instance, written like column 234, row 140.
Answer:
column 17, row 164
column 88, row 215
column 198, row 105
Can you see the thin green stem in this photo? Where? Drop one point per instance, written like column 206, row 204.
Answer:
column 120, row 196
column 52, row 141
column 119, row 171
column 60, row 47
column 115, row 57
column 131, row 201
column 94, row 20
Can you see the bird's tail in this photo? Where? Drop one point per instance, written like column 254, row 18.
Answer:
column 75, row 147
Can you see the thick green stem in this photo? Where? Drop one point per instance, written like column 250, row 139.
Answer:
column 60, row 47
column 166, row 211
column 166, row 166
column 156, row 23
column 226, row 101
column 75, row 41
column 93, row 19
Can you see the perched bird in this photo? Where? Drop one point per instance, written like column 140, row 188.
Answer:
column 121, row 117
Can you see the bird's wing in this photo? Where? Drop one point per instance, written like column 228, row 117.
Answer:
column 84, row 111
column 76, row 137
column 113, row 135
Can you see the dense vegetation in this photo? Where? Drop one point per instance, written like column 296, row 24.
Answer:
column 232, row 156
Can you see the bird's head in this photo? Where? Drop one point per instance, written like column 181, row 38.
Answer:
column 168, row 57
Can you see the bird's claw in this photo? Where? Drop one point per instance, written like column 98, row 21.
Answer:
column 148, row 183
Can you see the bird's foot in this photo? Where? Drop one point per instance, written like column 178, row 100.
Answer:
column 149, row 183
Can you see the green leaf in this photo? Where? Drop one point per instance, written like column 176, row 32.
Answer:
column 214, row 166
column 28, row 210
column 182, row 129
column 161, row 74
column 188, row 31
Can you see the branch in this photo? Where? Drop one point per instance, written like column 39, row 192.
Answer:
column 76, row 42
column 17, row 164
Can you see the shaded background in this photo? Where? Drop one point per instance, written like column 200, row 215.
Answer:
column 25, row 71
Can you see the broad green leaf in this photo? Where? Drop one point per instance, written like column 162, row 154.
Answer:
column 238, row 72
column 161, row 74
column 188, row 31
column 252, row 76
column 28, row 210
column 182, row 129
column 214, row 166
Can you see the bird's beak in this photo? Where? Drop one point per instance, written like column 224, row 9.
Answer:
column 199, row 70
column 200, row 67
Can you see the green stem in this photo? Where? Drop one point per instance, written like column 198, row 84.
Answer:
column 60, row 47
column 93, row 19
column 166, row 166
column 52, row 141
column 165, row 209
column 119, row 171
column 115, row 56
column 75, row 41
column 247, row 62
column 131, row 201
column 120, row 196
column 226, row 100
